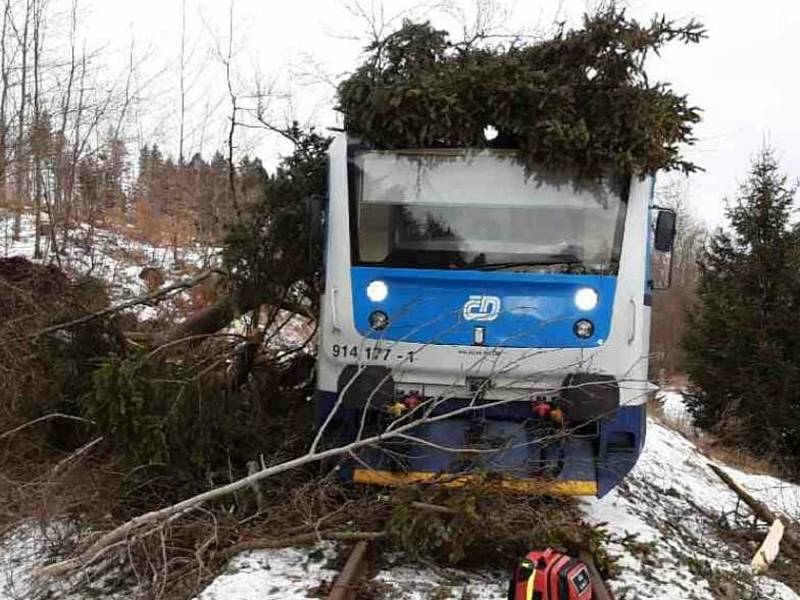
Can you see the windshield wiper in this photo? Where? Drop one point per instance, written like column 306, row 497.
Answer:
column 567, row 262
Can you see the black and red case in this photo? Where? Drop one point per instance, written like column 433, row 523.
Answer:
column 550, row 575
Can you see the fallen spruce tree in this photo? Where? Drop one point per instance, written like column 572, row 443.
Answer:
column 44, row 378
column 580, row 100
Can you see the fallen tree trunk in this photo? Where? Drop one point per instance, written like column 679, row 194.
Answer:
column 217, row 316
column 768, row 551
column 761, row 510
column 303, row 539
column 205, row 321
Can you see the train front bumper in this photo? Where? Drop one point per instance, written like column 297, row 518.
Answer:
column 505, row 446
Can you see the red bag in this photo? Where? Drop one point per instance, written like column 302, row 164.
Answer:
column 550, row 575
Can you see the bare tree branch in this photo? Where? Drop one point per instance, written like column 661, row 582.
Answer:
column 49, row 417
column 148, row 299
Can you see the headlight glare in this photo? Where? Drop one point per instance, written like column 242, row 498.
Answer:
column 377, row 291
column 586, row 299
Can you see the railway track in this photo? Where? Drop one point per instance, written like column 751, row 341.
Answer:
column 347, row 583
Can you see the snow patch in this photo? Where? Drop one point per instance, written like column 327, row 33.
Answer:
column 674, row 407
column 107, row 255
column 280, row 574
column 421, row 583
column 663, row 520
column 31, row 545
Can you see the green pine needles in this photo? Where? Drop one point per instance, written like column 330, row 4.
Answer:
column 742, row 343
column 580, row 101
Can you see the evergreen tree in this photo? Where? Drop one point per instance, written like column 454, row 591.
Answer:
column 743, row 339
column 580, row 100
column 271, row 251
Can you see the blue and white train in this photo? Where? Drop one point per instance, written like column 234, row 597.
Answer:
column 505, row 313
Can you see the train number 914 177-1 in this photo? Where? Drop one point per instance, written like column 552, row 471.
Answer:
column 378, row 353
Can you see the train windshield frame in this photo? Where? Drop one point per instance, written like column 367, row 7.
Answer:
column 480, row 210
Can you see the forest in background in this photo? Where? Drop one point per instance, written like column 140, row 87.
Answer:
column 74, row 152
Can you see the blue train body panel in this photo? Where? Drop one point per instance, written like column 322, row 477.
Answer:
column 426, row 306
column 621, row 441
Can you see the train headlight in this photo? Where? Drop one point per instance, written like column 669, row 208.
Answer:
column 378, row 320
column 377, row 291
column 583, row 328
column 586, row 299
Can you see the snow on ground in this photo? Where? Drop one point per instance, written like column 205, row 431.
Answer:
column 290, row 573
column 110, row 256
column 664, row 522
column 123, row 262
column 31, row 545
column 664, row 518
column 674, row 408
column 423, row 583
column 285, row 573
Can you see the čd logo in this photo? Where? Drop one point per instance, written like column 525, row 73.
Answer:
column 482, row 308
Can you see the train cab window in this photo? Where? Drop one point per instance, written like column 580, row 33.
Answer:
column 472, row 210
column 374, row 233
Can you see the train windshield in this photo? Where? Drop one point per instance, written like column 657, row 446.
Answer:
column 480, row 210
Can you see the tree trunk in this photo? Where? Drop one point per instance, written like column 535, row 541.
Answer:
column 219, row 315
column 39, row 140
column 21, row 174
column 761, row 510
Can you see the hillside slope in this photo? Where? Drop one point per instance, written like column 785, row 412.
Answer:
column 668, row 520
column 113, row 257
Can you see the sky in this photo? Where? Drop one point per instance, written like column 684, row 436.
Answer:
column 743, row 76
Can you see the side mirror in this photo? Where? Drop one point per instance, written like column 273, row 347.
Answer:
column 665, row 230
column 663, row 242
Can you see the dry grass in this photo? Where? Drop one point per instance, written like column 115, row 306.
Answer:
column 743, row 460
column 710, row 445
column 40, row 473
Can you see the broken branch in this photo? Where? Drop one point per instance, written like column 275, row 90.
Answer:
column 11, row 432
column 304, row 539
column 761, row 510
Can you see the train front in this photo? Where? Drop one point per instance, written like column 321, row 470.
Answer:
column 482, row 321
